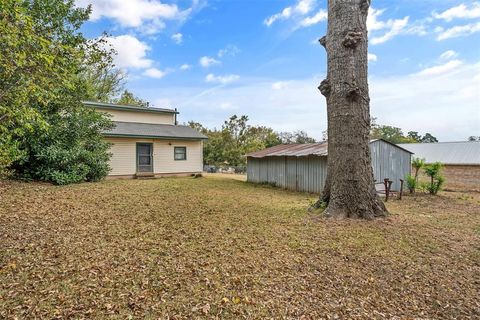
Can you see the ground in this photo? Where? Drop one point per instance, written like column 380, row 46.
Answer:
column 185, row 248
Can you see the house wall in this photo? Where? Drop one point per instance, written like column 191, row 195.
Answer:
column 140, row 117
column 309, row 173
column 123, row 161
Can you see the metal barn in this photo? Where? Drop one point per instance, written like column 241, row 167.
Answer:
column 303, row 167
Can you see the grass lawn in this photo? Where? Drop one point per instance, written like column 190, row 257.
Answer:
column 184, row 248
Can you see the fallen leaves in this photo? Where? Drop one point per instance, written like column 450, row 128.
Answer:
column 215, row 248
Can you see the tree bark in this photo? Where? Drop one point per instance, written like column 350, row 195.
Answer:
column 350, row 189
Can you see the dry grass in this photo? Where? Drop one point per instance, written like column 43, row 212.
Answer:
column 186, row 248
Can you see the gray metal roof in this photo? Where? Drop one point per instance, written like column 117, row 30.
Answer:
column 103, row 105
column 147, row 130
column 465, row 152
column 301, row 150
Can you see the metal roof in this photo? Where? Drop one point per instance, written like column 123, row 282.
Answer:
column 103, row 105
column 294, row 150
column 302, row 150
column 148, row 130
column 465, row 152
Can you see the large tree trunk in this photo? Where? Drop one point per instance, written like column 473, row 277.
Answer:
column 350, row 189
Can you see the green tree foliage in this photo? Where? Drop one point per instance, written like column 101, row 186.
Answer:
column 396, row 135
column 236, row 138
column 436, row 179
column 295, row 137
column 412, row 181
column 128, row 98
column 43, row 121
column 103, row 81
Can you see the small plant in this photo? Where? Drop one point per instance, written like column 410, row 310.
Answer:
column 417, row 164
column 436, row 180
column 411, row 183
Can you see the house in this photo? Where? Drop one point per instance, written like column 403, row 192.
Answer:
column 148, row 142
column 303, row 167
column 461, row 161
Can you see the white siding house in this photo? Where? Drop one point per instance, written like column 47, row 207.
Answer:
column 148, row 142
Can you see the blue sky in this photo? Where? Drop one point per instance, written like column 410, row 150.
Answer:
column 212, row 59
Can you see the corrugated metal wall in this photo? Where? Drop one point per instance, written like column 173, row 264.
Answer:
column 389, row 161
column 309, row 173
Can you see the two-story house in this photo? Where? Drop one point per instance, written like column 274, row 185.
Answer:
column 148, row 142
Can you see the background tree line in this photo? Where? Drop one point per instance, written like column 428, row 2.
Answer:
column 47, row 68
column 229, row 144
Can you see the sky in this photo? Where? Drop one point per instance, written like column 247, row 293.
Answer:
column 261, row 58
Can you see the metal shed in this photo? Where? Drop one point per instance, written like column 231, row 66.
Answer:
column 303, row 167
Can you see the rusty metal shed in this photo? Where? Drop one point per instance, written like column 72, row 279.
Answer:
column 303, row 167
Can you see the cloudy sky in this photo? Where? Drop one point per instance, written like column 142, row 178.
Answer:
column 214, row 58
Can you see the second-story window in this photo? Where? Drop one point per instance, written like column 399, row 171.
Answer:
column 180, row 153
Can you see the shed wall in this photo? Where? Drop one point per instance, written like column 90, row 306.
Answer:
column 309, row 173
column 389, row 161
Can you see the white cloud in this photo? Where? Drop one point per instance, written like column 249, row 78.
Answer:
column 229, row 50
column 458, row 31
column 279, row 85
column 320, row 16
column 221, row 79
column 441, row 69
column 460, row 11
column 154, row 73
column 148, row 15
column 447, row 55
column 131, row 52
column 391, row 27
column 302, row 7
column 177, row 37
column 206, row 61
column 396, row 26
column 372, row 57
column 185, row 66
column 300, row 106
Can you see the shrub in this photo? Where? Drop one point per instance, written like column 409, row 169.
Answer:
column 411, row 183
column 417, row 164
column 436, row 180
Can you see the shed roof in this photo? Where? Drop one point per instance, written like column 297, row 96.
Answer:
column 301, row 150
column 114, row 106
column 464, row 152
column 148, row 130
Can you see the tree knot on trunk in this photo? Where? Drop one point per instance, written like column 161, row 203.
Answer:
column 323, row 41
column 324, row 87
column 353, row 91
column 352, row 39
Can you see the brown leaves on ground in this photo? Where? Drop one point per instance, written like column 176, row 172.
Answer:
column 185, row 248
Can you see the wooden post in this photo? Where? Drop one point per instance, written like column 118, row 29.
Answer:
column 401, row 189
column 387, row 190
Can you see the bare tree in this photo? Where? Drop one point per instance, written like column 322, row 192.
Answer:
column 350, row 189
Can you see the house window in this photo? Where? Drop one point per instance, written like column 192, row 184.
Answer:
column 180, row 153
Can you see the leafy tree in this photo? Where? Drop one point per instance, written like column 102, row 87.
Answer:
column 474, row 138
column 389, row 133
column 103, row 81
column 414, row 136
column 428, row 138
column 128, row 98
column 412, row 182
column 42, row 59
column 296, row 137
